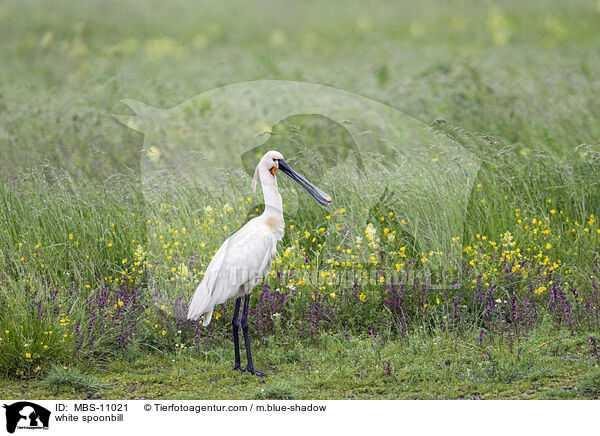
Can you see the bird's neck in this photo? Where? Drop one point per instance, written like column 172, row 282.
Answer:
column 273, row 203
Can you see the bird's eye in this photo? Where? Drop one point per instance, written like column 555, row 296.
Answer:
column 274, row 159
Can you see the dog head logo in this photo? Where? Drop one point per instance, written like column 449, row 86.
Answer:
column 24, row 414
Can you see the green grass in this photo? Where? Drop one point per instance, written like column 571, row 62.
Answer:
column 513, row 83
column 544, row 366
column 63, row 378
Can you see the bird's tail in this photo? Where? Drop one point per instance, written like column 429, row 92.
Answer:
column 200, row 305
column 206, row 318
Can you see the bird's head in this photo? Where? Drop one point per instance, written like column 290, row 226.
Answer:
column 273, row 160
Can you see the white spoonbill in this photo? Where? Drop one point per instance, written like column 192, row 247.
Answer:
column 245, row 257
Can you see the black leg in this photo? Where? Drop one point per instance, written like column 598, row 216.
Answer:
column 236, row 339
column 250, row 366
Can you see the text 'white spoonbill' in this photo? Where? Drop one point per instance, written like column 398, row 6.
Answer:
column 245, row 257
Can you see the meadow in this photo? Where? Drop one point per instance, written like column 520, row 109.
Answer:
column 95, row 278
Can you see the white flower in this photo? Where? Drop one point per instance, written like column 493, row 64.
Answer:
column 370, row 231
column 183, row 271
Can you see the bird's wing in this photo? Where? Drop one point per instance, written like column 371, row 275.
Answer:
column 242, row 258
column 240, row 262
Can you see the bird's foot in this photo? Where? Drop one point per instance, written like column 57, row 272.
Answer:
column 237, row 367
column 253, row 371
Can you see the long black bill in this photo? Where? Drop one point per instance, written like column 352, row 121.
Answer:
column 323, row 198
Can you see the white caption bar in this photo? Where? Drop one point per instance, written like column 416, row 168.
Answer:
column 276, row 417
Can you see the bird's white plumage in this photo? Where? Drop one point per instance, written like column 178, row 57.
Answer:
column 237, row 266
column 245, row 257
